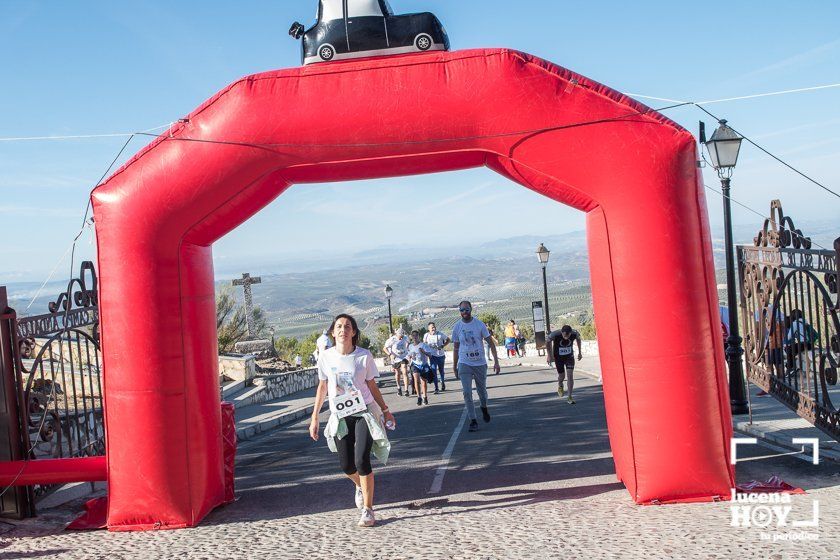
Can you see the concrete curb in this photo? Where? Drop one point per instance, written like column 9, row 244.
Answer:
column 250, row 431
column 773, row 438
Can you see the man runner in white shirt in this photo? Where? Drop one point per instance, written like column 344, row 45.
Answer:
column 397, row 348
column 468, row 337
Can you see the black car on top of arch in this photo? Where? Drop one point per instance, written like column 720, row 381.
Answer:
column 359, row 28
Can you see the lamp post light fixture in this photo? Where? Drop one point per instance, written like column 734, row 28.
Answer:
column 388, row 293
column 724, row 147
column 543, row 254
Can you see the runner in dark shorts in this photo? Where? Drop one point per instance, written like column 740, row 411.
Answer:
column 419, row 354
column 561, row 352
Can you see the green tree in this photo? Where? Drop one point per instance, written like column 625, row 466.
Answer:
column 287, row 348
column 587, row 328
column 401, row 321
column 231, row 323
column 308, row 345
column 365, row 342
column 588, row 331
column 382, row 335
column 493, row 323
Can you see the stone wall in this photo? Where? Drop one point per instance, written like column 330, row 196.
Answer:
column 238, row 368
column 259, row 348
column 270, row 387
column 282, row 384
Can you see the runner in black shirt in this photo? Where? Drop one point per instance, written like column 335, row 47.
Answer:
column 560, row 350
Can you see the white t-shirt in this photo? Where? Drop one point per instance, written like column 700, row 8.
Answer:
column 470, row 337
column 323, row 343
column 436, row 342
column 398, row 347
column 418, row 358
column 345, row 372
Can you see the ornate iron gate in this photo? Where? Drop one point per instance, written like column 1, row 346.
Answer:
column 790, row 315
column 59, row 371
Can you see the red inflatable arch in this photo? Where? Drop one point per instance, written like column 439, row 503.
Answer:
column 575, row 141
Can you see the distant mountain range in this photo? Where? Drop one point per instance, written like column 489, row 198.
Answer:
column 434, row 276
column 823, row 232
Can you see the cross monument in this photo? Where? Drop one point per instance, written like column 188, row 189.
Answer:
column 246, row 283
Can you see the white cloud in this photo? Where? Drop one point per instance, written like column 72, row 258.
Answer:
column 473, row 192
column 795, row 60
column 800, row 128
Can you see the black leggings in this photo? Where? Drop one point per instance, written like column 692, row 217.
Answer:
column 354, row 449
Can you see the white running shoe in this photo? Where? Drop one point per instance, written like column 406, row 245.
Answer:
column 367, row 519
column 360, row 498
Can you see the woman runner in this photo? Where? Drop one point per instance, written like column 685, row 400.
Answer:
column 419, row 352
column 358, row 413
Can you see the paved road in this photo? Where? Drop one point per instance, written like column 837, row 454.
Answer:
column 537, row 482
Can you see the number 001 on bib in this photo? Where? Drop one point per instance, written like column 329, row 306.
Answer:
column 349, row 403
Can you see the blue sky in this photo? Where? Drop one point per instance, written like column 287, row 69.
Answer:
column 109, row 67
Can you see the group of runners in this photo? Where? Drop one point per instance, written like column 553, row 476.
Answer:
column 360, row 419
column 416, row 362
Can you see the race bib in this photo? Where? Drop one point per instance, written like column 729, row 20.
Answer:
column 564, row 350
column 473, row 355
column 348, row 404
column 348, row 399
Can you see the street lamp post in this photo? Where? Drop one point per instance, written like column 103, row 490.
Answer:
column 723, row 147
column 543, row 254
column 388, row 293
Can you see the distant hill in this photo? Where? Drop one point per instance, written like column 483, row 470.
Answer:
column 299, row 293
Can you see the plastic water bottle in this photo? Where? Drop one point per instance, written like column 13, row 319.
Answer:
column 390, row 425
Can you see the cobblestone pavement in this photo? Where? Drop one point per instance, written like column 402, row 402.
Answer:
column 537, row 482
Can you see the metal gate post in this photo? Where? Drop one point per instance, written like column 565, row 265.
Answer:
column 17, row 501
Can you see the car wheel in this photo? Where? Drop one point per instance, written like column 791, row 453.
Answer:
column 423, row 42
column 326, row 52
